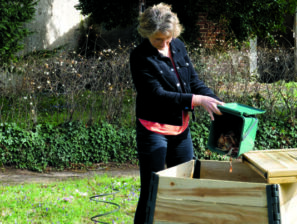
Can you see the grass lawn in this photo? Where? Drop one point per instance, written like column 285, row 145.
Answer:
column 70, row 201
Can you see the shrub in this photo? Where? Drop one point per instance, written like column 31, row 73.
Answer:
column 13, row 16
column 70, row 144
column 68, row 87
column 77, row 145
column 275, row 133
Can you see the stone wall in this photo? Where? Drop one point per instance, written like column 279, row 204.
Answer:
column 56, row 23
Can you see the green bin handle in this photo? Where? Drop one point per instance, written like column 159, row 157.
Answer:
column 248, row 131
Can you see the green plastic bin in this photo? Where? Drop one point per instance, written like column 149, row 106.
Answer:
column 240, row 121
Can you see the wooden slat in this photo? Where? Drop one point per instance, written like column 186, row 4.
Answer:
column 281, row 173
column 288, row 203
column 256, row 168
column 271, row 150
column 213, row 191
column 220, row 170
column 281, row 161
column 281, row 180
column 293, row 154
column 188, row 211
column 274, row 164
column 183, row 170
column 258, row 159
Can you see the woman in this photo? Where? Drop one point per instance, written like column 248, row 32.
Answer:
column 167, row 88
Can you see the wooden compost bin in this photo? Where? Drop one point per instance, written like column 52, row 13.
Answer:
column 206, row 192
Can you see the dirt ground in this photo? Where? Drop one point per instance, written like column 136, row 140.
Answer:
column 11, row 175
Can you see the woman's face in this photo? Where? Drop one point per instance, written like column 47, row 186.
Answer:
column 160, row 40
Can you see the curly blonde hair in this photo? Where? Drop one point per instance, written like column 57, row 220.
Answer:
column 159, row 18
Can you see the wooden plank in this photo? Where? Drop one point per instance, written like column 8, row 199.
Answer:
column 271, row 150
column 185, row 170
column 188, row 211
column 213, row 191
column 274, row 163
column 263, row 161
column 220, row 170
column 281, row 173
column 281, row 180
column 274, row 176
column 247, row 159
column 283, row 164
column 293, row 154
column 256, row 168
column 288, row 203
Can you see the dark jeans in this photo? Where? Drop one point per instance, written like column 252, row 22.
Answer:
column 154, row 151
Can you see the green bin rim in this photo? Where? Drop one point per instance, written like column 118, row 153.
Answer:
column 237, row 108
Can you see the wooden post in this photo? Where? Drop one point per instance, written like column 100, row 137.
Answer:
column 253, row 55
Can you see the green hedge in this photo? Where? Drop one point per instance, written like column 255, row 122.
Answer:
column 75, row 144
column 67, row 145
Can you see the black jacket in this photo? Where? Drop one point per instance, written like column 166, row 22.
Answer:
column 159, row 93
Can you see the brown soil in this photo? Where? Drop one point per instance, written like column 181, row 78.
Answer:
column 11, row 175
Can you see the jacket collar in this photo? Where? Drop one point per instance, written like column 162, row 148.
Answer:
column 174, row 47
column 150, row 49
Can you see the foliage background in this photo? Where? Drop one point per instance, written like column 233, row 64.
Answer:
column 14, row 14
column 240, row 19
column 67, row 109
column 247, row 19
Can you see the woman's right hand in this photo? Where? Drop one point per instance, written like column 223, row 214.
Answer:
column 208, row 103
